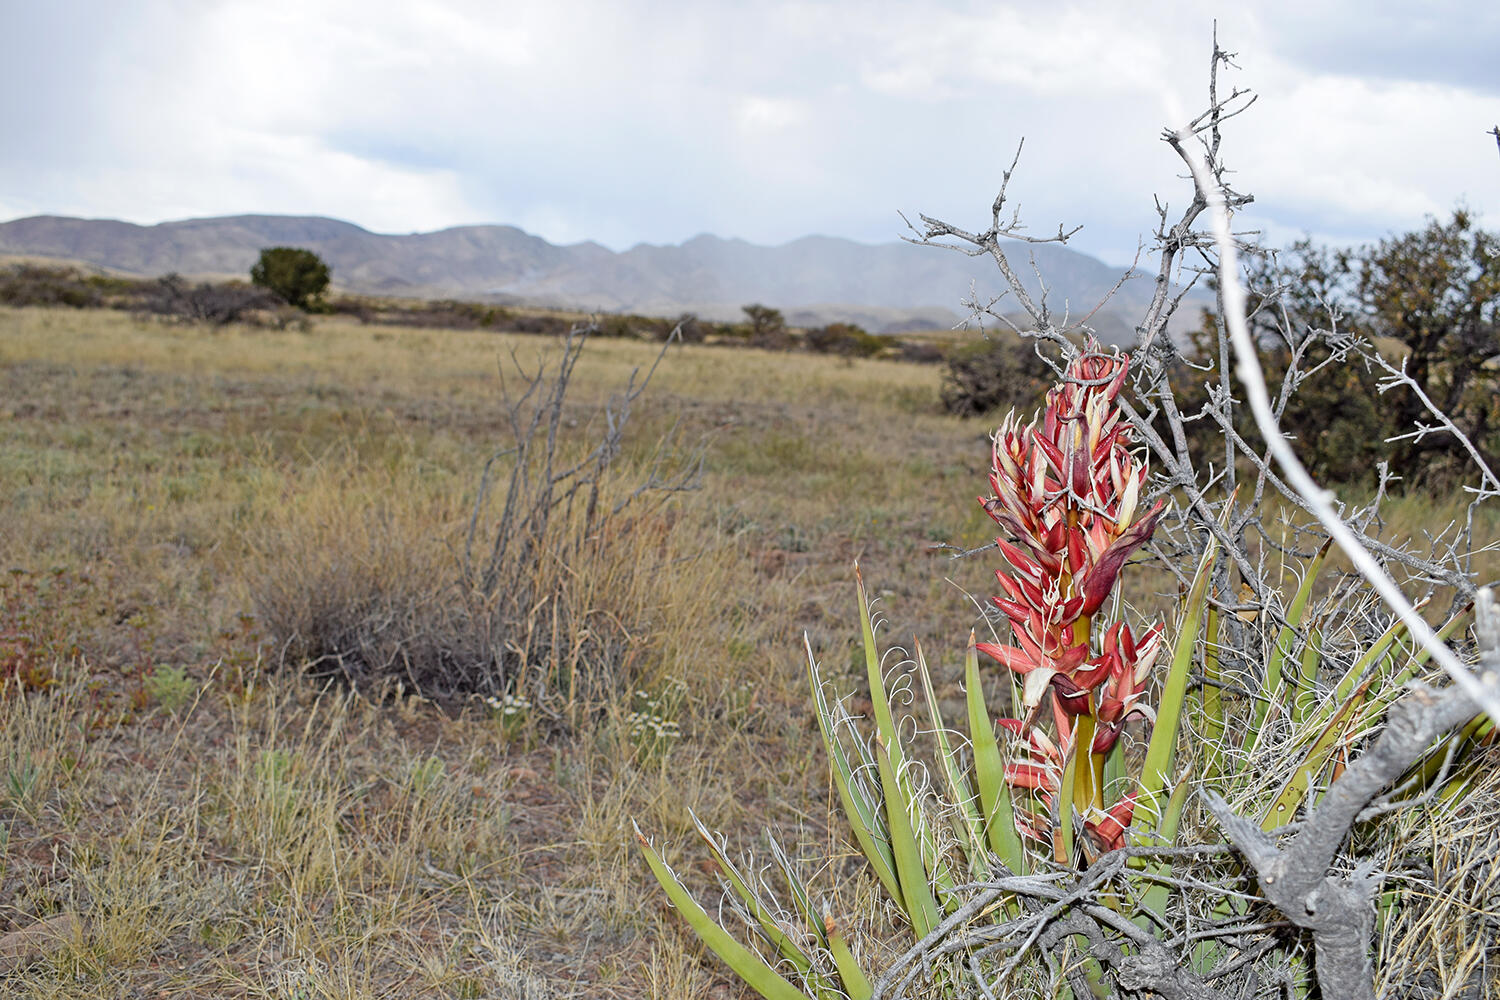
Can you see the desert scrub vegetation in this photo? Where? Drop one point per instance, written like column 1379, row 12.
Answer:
column 285, row 285
column 170, row 470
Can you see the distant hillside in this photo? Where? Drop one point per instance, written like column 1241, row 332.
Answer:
column 816, row 279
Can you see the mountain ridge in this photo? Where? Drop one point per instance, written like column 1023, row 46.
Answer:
column 816, row 278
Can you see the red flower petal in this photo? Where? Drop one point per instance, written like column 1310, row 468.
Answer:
column 1105, row 738
column 1031, row 776
column 1010, row 656
column 1100, row 579
column 1025, row 566
column 1109, row 830
column 1071, row 658
column 1011, row 725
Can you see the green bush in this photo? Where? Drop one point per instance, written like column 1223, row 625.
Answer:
column 1426, row 300
column 767, row 328
column 994, row 375
column 298, row 277
column 844, row 339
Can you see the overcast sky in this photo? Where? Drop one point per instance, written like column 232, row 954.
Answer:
column 640, row 121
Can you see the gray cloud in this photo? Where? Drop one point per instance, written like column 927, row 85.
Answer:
column 1438, row 42
column 655, row 121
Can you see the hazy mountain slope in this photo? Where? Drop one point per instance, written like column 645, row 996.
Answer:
column 891, row 284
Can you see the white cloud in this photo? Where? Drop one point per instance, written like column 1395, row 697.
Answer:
column 1355, row 158
column 1040, row 53
column 640, row 121
column 762, row 115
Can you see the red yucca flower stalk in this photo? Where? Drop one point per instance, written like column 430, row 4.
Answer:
column 1067, row 489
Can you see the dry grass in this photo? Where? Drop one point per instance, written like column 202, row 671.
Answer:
column 265, row 837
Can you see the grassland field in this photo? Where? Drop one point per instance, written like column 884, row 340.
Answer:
column 195, row 822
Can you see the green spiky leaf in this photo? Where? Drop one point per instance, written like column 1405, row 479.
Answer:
column 967, row 821
column 1285, row 639
column 865, row 818
column 989, row 771
column 750, row 967
column 1163, row 746
column 921, row 906
column 752, row 901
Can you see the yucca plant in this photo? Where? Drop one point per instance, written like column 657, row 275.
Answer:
column 971, row 846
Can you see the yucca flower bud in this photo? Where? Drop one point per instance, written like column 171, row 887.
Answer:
column 1067, row 490
column 1067, row 487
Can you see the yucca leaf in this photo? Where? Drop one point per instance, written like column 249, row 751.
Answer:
column 1163, row 746
column 1385, row 910
column 1371, row 658
column 864, row 816
column 989, row 771
column 1421, row 775
column 1063, row 840
column 856, row 983
column 750, row 967
column 1390, row 687
column 741, row 887
column 1285, row 639
column 1158, row 893
column 1214, row 723
column 1295, row 790
column 800, row 898
column 885, row 726
column 899, row 791
column 1116, row 771
column 921, row 907
column 969, row 823
column 1307, row 678
column 1419, row 659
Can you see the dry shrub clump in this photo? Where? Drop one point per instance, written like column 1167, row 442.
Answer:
column 350, row 574
column 560, row 581
column 1439, row 916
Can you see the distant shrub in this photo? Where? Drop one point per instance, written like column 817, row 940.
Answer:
column 691, row 329
column 453, row 314
column 552, row 326
column 118, row 291
column 767, row 328
column 618, row 326
column 285, row 317
column 844, row 339
column 29, row 285
column 993, row 375
column 353, row 305
column 296, row 276
column 449, row 314
column 921, row 352
column 208, row 302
